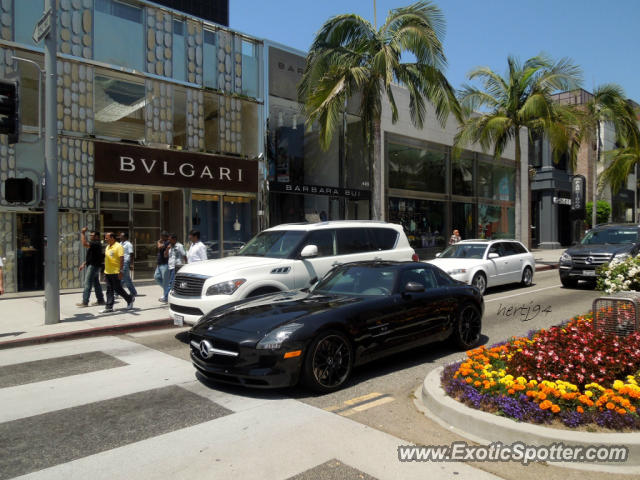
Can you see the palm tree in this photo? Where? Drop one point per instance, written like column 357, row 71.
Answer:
column 350, row 60
column 497, row 113
column 609, row 104
column 623, row 161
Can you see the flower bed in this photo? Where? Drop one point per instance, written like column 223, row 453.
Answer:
column 571, row 373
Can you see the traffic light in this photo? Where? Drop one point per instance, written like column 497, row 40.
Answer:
column 18, row 190
column 10, row 109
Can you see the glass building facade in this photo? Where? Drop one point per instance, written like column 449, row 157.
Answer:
column 431, row 193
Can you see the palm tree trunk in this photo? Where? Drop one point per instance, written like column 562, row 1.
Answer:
column 377, row 175
column 519, row 193
column 594, row 180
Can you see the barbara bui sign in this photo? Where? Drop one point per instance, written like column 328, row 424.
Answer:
column 318, row 190
column 131, row 164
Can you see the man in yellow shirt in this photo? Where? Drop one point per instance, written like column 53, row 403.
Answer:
column 113, row 263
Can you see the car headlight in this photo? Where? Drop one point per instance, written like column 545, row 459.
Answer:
column 621, row 256
column 457, row 271
column 225, row 288
column 565, row 257
column 274, row 339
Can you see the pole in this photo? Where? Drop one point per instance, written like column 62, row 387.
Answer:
column 375, row 16
column 594, row 180
column 51, row 261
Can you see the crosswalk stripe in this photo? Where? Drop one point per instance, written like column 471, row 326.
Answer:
column 360, row 404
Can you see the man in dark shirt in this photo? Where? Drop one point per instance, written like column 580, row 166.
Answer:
column 161, row 275
column 92, row 264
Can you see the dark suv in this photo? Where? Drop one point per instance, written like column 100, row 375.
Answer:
column 600, row 245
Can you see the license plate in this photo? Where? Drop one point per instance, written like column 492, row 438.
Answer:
column 589, row 273
column 178, row 320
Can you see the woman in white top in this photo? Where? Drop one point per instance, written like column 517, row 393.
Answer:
column 197, row 251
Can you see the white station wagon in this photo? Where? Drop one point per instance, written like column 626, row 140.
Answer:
column 281, row 258
column 487, row 263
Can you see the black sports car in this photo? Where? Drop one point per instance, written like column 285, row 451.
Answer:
column 357, row 313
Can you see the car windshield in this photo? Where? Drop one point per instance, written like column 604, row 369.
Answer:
column 358, row 280
column 464, row 250
column 275, row 244
column 611, row 236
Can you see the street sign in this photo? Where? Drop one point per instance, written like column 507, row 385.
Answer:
column 42, row 27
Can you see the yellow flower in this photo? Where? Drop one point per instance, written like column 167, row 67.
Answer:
column 589, row 393
column 617, row 385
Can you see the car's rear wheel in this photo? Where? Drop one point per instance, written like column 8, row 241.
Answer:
column 568, row 282
column 468, row 327
column 527, row 277
column 480, row 281
column 328, row 363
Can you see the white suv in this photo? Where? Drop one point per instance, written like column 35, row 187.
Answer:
column 282, row 258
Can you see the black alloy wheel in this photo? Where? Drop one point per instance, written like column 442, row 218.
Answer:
column 527, row 277
column 329, row 362
column 467, row 329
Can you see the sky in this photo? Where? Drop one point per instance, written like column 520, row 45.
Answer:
column 600, row 36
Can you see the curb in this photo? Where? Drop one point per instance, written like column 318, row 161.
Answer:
column 485, row 428
column 89, row 332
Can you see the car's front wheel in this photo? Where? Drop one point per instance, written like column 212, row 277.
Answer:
column 480, row 281
column 328, row 362
column 468, row 327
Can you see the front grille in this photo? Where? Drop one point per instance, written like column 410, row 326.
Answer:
column 591, row 259
column 185, row 310
column 188, row 285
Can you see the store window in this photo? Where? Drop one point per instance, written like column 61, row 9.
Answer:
column 26, row 16
column 496, row 221
column 210, row 60
column 179, row 51
column 414, row 168
column 119, row 107
column 496, row 181
column 211, row 122
column 462, row 175
column 179, row 117
column 30, row 251
column 423, row 222
column 126, row 48
column 356, row 155
column 249, row 69
column 463, row 219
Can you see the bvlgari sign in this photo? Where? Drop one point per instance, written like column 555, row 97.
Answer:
column 130, row 164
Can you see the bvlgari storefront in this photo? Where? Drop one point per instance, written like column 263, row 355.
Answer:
column 144, row 191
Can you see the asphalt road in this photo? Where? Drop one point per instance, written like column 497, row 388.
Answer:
column 381, row 394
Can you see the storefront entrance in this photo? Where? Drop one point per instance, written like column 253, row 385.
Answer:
column 30, row 252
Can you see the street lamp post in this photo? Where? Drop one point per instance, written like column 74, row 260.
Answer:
column 51, row 260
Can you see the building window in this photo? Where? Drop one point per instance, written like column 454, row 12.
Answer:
column 356, row 163
column 462, row 175
column 249, row 130
column 119, row 107
column 496, row 221
column 179, row 49
column 249, row 69
column 423, row 222
column 496, row 181
column 26, row 15
column 414, row 168
column 211, row 122
column 119, row 36
column 29, row 89
column 179, row 117
column 210, row 60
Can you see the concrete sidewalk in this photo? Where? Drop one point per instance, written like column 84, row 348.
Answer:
column 22, row 319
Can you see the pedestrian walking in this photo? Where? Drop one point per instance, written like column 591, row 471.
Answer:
column 198, row 250
column 92, row 265
column 177, row 257
column 113, row 265
column 1, row 277
column 128, row 264
column 161, row 274
column 455, row 238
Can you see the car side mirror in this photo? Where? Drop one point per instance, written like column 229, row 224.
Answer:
column 437, row 255
column 413, row 287
column 309, row 251
column 493, row 255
